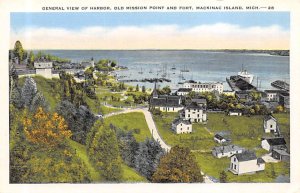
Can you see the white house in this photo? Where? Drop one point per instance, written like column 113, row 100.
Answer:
column 273, row 143
column 43, row 68
column 194, row 113
column 219, row 139
column 204, row 87
column 235, row 112
column 226, row 151
column 183, row 91
column 246, row 163
column 272, row 95
column 270, row 124
column 182, row 126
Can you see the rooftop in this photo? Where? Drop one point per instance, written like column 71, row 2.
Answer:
column 180, row 120
column 246, row 156
column 193, row 105
column 227, row 148
column 276, row 141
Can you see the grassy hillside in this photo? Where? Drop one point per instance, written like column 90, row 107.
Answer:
column 131, row 121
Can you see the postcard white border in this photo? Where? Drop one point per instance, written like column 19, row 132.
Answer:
column 293, row 6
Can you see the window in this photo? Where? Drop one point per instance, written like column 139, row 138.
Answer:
column 235, row 167
column 234, row 159
column 231, row 165
column 189, row 115
column 271, row 126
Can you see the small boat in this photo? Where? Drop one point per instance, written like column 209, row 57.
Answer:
column 141, row 72
column 173, row 68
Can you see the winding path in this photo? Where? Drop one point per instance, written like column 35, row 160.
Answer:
column 150, row 123
column 153, row 130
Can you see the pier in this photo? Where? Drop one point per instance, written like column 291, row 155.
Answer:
column 151, row 80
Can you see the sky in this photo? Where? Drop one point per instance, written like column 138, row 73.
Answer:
column 151, row 30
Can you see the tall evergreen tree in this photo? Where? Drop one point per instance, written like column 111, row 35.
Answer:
column 19, row 51
column 178, row 166
column 148, row 156
column 38, row 101
column 29, row 90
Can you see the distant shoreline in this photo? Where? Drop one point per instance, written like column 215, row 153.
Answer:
column 270, row 52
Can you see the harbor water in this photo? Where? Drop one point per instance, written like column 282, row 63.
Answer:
column 203, row 66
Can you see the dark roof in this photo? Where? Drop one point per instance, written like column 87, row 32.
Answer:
column 235, row 110
column 179, row 120
column 268, row 117
column 276, row 141
column 190, row 81
column 193, row 105
column 281, row 152
column 260, row 161
column 273, row 91
column 219, row 137
column 167, row 101
column 246, row 156
column 184, row 90
column 199, row 100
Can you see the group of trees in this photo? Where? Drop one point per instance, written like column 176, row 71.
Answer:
column 227, row 103
column 22, row 55
column 39, row 149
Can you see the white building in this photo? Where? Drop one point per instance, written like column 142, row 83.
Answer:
column 270, row 124
column 204, row 87
column 219, row 138
column 246, row 163
column 235, row 112
column 43, row 68
column 194, row 113
column 273, row 143
column 183, row 91
column 226, row 151
column 272, row 95
column 182, row 126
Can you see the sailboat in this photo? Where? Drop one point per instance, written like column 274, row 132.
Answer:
column 141, row 72
column 184, row 69
column 173, row 68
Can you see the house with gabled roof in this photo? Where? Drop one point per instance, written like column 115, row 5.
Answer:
column 226, row 151
column 246, row 163
column 194, row 113
column 166, row 103
column 273, row 143
column 270, row 124
column 219, row 138
column 182, row 126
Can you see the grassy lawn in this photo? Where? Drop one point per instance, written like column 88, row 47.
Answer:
column 129, row 174
column 213, row 166
column 81, row 152
column 210, row 165
column 131, row 121
column 199, row 139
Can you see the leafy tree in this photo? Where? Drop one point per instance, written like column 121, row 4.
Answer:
column 147, row 157
column 223, row 177
column 137, row 88
column 19, row 51
column 166, row 90
column 29, row 90
column 178, row 166
column 46, row 129
column 279, row 109
column 104, row 152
